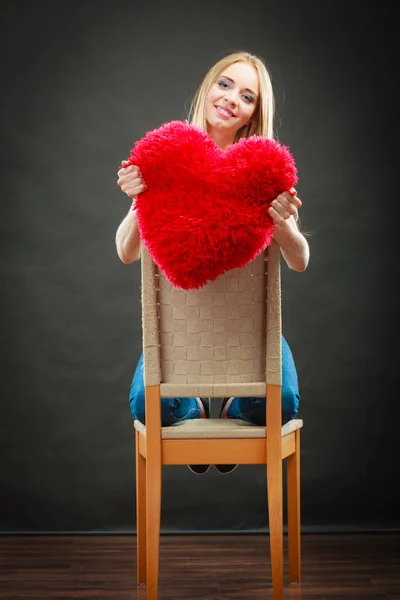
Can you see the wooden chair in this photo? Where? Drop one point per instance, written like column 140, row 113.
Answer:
column 220, row 341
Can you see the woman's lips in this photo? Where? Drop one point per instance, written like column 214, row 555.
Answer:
column 223, row 113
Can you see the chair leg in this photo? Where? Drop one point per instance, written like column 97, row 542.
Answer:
column 275, row 516
column 153, row 516
column 274, row 486
column 293, row 501
column 140, row 513
column 153, row 487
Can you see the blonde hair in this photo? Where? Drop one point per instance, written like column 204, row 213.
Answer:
column 262, row 120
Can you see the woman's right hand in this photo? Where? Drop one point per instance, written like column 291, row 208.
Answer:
column 130, row 180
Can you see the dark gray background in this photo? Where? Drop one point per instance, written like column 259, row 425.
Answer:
column 81, row 82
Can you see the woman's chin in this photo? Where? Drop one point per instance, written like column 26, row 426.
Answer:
column 220, row 126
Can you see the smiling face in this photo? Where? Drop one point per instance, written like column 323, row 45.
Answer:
column 231, row 102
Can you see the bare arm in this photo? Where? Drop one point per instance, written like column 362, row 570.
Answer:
column 293, row 244
column 128, row 239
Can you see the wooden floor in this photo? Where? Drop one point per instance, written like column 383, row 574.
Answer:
column 203, row 567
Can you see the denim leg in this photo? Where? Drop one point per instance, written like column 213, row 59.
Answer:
column 172, row 409
column 253, row 409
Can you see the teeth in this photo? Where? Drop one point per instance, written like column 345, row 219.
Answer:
column 225, row 112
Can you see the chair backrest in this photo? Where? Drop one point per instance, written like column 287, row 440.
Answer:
column 218, row 341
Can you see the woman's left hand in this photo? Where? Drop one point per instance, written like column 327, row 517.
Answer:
column 284, row 206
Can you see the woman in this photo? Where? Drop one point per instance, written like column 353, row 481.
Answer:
column 234, row 100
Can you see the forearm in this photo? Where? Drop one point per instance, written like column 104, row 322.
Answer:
column 128, row 239
column 293, row 244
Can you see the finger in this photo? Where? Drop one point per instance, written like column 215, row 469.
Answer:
column 296, row 201
column 276, row 217
column 282, row 206
column 293, row 191
column 127, row 170
column 136, row 177
column 125, row 179
column 133, row 190
column 126, row 183
column 130, row 180
column 124, row 165
column 280, row 210
column 129, row 176
column 292, row 199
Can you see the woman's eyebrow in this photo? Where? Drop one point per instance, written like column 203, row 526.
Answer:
column 233, row 81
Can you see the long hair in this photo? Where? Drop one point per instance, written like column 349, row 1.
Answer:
column 262, row 120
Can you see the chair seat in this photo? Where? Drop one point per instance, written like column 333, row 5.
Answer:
column 217, row 429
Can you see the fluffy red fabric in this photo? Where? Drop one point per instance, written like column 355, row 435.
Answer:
column 205, row 209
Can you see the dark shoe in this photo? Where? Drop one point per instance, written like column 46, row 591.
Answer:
column 201, row 469
column 224, row 469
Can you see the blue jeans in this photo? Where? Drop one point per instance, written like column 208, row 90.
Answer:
column 248, row 409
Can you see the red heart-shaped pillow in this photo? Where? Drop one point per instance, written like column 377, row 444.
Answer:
column 205, row 209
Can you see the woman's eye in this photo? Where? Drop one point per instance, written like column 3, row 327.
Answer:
column 248, row 98
column 223, row 83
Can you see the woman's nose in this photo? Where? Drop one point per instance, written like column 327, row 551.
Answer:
column 231, row 96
